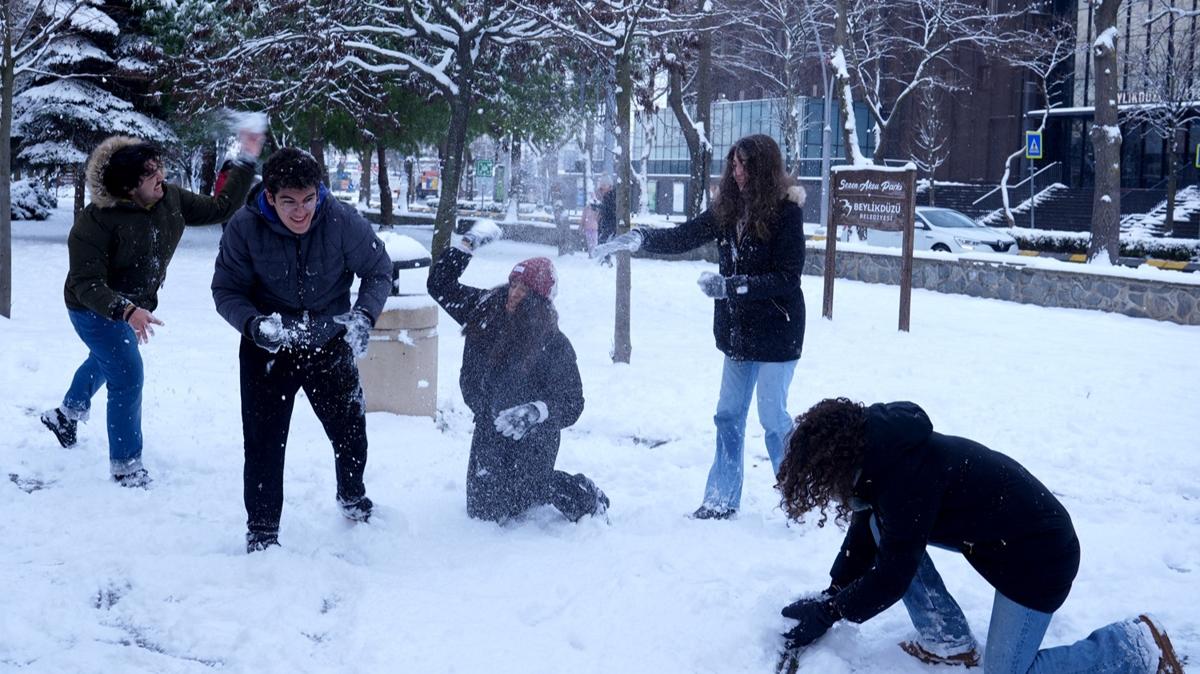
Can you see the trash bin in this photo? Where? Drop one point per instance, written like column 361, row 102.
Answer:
column 399, row 371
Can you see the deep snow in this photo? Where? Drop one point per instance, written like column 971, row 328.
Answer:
column 1101, row 407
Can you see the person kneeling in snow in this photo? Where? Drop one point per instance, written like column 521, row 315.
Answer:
column 283, row 278
column 519, row 377
column 902, row 487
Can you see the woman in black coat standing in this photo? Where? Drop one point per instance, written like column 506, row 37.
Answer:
column 903, row 487
column 758, row 309
column 520, row 379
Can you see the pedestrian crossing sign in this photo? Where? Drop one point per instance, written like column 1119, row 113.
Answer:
column 1033, row 144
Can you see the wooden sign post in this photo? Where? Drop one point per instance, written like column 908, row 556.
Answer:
column 877, row 197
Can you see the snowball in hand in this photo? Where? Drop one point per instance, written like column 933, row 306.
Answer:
column 254, row 122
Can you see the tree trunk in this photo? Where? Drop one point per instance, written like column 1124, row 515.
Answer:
column 6, row 112
column 514, row 180
column 697, row 173
column 208, row 167
column 456, row 140
column 1106, row 138
column 316, row 146
column 385, row 189
column 406, row 185
column 622, row 347
column 80, row 187
column 704, row 100
column 364, row 181
column 844, row 93
column 1172, row 183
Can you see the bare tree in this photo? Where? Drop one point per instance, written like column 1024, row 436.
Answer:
column 931, row 147
column 894, row 48
column 451, row 45
column 774, row 43
column 613, row 29
column 27, row 28
column 1042, row 53
column 1166, row 74
column 1106, row 136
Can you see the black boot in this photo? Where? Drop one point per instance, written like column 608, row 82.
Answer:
column 359, row 511
column 61, row 426
column 138, row 479
column 261, row 540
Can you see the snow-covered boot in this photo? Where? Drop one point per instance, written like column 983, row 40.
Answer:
column 967, row 658
column 1168, row 661
column 358, row 511
column 706, row 513
column 62, row 426
column 261, row 540
column 138, row 479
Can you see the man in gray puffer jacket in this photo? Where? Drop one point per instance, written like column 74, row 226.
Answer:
column 282, row 279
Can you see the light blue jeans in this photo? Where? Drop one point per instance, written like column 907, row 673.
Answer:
column 113, row 361
column 1015, row 634
column 739, row 379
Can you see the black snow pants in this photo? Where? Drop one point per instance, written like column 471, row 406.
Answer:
column 505, row 478
column 329, row 376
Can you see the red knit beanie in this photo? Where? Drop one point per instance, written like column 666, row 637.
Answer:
column 537, row 273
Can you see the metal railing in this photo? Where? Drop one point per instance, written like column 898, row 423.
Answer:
column 1013, row 187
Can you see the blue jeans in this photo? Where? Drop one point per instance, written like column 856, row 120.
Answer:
column 1015, row 634
column 113, row 361
column 738, row 381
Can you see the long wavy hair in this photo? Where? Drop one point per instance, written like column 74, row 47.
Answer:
column 517, row 337
column 824, row 454
column 767, row 184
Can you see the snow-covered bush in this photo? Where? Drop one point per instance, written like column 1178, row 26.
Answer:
column 1048, row 241
column 31, row 201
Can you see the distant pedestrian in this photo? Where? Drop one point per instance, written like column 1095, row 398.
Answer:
column 520, row 378
column 758, row 308
column 120, row 247
column 590, row 219
column 282, row 279
column 606, row 223
column 903, row 487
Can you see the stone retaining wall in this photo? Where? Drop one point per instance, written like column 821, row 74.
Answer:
column 1016, row 282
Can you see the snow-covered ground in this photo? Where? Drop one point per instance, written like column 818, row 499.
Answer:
column 96, row 578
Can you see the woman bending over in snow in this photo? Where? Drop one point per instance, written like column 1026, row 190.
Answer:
column 758, row 308
column 520, row 379
column 903, row 487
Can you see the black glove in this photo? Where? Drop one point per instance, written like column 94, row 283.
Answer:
column 358, row 330
column 795, row 609
column 814, row 619
column 515, row 422
column 712, row 285
column 267, row 332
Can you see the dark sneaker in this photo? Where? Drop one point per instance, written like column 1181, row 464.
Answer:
column 1168, row 661
column 358, row 511
column 62, row 427
column 968, row 658
column 706, row 513
column 138, row 479
column 261, row 540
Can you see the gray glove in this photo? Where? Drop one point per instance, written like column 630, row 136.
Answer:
column 630, row 241
column 712, row 285
column 481, row 233
column 515, row 422
column 358, row 330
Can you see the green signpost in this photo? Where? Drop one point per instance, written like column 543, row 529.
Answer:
column 484, row 168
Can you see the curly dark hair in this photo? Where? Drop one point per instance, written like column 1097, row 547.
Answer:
column 767, row 184
column 291, row 168
column 127, row 166
column 824, row 454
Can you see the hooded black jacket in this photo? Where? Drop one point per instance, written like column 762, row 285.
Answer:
column 766, row 322
column 506, row 475
column 924, row 487
column 263, row 267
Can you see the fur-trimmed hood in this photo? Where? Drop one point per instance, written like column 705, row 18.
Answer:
column 797, row 194
column 95, row 169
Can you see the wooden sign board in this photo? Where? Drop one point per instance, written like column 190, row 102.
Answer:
column 875, row 197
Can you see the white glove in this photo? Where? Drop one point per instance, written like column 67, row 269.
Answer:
column 515, row 422
column 481, row 233
column 630, row 241
column 712, row 285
